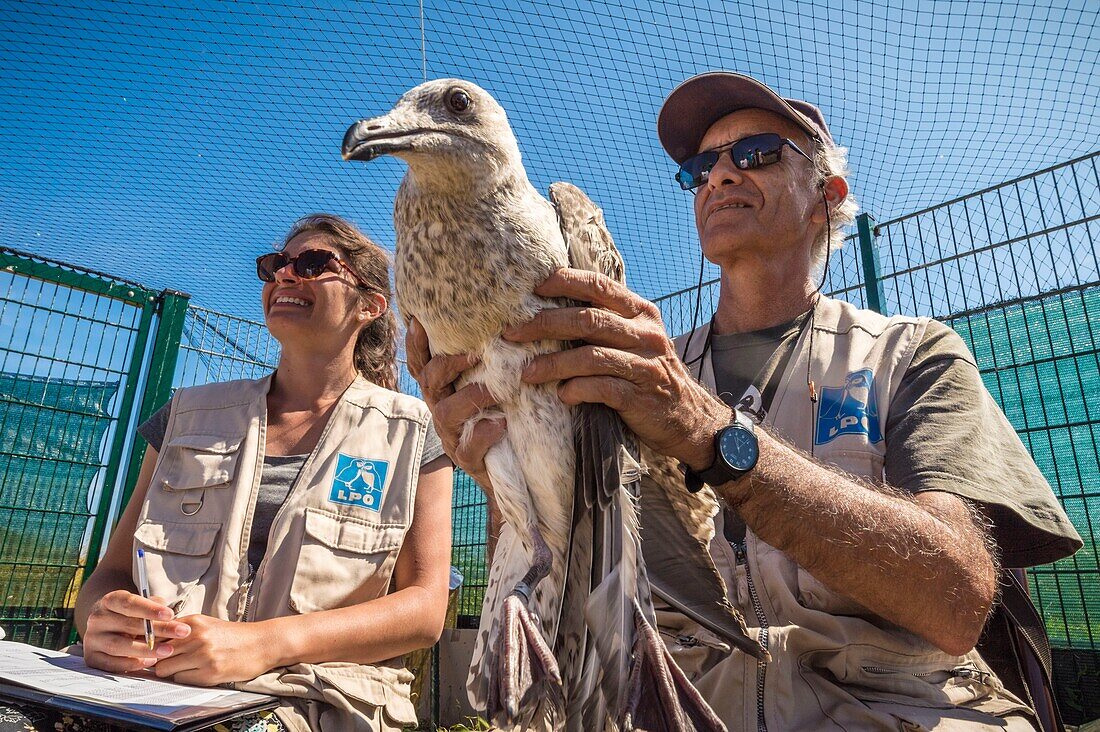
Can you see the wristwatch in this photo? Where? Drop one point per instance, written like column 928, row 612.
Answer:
column 735, row 453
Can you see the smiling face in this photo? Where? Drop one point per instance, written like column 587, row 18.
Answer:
column 765, row 212
column 323, row 313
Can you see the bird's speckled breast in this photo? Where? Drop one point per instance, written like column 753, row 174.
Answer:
column 465, row 267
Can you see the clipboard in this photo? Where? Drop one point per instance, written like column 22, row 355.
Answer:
column 63, row 682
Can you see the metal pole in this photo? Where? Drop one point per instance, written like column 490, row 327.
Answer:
column 872, row 281
column 122, row 434
column 158, row 383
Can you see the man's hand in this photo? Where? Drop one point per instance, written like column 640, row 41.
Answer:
column 451, row 409
column 115, row 637
column 628, row 363
column 865, row 541
column 216, row 651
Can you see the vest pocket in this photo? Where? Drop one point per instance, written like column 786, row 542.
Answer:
column 696, row 649
column 199, row 461
column 861, row 462
column 383, row 687
column 343, row 561
column 177, row 556
column 902, row 683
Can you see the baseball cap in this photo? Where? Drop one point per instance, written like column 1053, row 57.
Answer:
column 702, row 100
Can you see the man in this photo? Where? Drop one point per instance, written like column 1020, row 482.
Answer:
column 865, row 510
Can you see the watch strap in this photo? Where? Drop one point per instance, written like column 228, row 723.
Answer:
column 718, row 473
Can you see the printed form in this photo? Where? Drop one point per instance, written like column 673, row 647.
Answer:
column 57, row 673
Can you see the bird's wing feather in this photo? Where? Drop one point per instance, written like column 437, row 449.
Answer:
column 604, row 574
column 694, row 511
column 684, row 520
column 590, row 244
column 681, row 559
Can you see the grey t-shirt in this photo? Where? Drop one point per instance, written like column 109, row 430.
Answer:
column 279, row 474
column 944, row 432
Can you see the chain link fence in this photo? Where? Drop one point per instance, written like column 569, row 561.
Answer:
column 80, row 352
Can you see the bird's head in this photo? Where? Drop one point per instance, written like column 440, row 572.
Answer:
column 449, row 131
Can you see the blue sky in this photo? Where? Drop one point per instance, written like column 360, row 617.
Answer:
column 170, row 143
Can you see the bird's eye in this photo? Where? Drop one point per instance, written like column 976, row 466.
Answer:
column 459, row 101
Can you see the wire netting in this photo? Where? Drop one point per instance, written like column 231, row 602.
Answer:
column 65, row 362
column 1015, row 269
column 220, row 347
column 170, row 142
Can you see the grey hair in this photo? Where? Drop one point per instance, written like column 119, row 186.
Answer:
column 830, row 161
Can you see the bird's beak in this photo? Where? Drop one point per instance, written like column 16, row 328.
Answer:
column 368, row 139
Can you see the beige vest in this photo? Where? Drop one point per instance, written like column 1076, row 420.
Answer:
column 333, row 543
column 835, row 665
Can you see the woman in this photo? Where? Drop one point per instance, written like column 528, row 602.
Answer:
column 296, row 528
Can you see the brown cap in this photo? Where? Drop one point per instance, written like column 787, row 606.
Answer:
column 702, row 100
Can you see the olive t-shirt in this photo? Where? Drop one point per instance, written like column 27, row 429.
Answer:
column 944, row 432
column 279, row 474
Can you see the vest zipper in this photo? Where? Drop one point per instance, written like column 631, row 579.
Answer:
column 761, row 668
column 254, row 572
column 682, row 639
column 962, row 672
column 248, row 593
column 881, row 670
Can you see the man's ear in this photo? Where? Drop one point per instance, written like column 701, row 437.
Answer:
column 372, row 307
column 834, row 190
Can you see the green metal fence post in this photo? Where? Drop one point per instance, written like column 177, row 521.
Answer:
column 872, row 281
column 122, row 434
column 158, row 382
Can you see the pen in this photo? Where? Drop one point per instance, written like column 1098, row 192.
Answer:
column 143, row 587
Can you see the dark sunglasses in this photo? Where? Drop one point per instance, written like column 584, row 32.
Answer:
column 754, row 151
column 308, row 265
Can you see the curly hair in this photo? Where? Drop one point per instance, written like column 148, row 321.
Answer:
column 376, row 345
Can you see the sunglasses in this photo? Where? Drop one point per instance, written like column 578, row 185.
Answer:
column 308, row 265
column 755, row 151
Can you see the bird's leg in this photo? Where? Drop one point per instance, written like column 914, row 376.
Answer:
column 660, row 696
column 540, row 566
column 527, row 674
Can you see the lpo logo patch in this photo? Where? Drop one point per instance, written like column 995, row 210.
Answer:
column 359, row 481
column 851, row 409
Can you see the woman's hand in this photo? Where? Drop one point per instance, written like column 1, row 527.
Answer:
column 216, row 651
column 451, row 409
column 115, row 636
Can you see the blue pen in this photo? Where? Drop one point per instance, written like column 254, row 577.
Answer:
column 143, row 587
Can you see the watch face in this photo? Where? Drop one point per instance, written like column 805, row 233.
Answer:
column 738, row 447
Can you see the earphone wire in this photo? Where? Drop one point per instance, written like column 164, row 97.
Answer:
column 695, row 318
column 813, row 312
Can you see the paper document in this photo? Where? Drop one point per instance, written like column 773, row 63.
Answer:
column 134, row 701
column 60, row 673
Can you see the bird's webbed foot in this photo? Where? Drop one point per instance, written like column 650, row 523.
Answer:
column 525, row 690
column 660, row 697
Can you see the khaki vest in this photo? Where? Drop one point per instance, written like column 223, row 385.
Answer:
column 333, row 543
column 835, row 665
